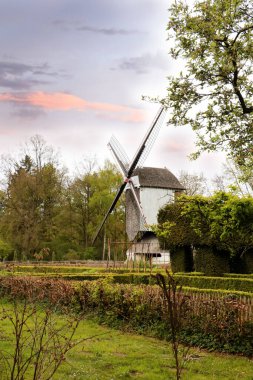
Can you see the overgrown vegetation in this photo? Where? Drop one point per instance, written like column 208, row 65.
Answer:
column 142, row 308
column 218, row 228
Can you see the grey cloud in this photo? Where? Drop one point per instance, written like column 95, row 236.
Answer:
column 19, row 84
column 145, row 63
column 20, row 76
column 66, row 25
column 26, row 113
column 106, row 31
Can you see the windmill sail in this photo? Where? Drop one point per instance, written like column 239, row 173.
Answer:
column 127, row 168
column 158, row 121
column 119, row 154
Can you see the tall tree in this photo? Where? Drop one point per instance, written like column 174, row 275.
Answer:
column 32, row 197
column 86, row 200
column 214, row 93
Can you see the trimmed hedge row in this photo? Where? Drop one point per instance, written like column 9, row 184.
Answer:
column 201, row 282
column 210, row 261
column 208, row 323
column 236, row 275
column 232, row 275
column 52, row 269
column 228, row 283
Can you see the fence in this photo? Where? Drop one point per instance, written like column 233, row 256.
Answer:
column 202, row 303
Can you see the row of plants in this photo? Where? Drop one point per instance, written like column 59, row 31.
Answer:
column 231, row 275
column 83, row 270
column 212, row 323
column 201, row 282
column 228, row 283
column 213, row 234
column 51, row 269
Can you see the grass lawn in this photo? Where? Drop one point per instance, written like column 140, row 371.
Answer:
column 113, row 355
column 117, row 355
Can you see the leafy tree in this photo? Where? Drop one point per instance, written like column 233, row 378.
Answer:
column 214, row 93
column 105, row 184
column 86, row 200
column 31, row 201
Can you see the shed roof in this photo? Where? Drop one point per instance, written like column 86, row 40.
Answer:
column 157, row 177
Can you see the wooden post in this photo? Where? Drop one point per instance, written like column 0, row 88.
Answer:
column 104, row 247
column 109, row 252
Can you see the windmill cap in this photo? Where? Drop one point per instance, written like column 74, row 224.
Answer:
column 158, row 178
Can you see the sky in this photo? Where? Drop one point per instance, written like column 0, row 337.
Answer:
column 75, row 72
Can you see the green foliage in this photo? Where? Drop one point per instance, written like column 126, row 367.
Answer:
column 225, row 283
column 41, row 208
column 5, row 249
column 85, row 201
column 174, row 230
column 31, row 201
column 222, row 223
column 211, row 261
column 247, row 259
column 181, row 259
column 214, row 93
column 242, row 284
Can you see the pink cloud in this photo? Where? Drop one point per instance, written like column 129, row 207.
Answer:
column 174, row 146
column 61, row 101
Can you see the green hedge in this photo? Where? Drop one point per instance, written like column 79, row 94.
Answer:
column 228, row 283
column 238, row 275
column 248, row 261
column 54, row 269
column 181, row 259
column 211, row 261
column 201, row 282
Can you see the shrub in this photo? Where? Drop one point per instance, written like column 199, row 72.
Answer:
column 211, row 261
column 181, row 259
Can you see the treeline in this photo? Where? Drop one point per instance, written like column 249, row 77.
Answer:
column 45, row 214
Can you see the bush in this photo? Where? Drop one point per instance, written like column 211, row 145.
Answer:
column 248, row 261
column 181, row 259
column 211, row 261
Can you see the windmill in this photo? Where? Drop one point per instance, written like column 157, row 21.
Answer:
column 147, row 189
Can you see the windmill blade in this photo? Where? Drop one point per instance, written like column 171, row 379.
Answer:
column 138, row 203
column 117, row 196
column 151, row 139
column 119, row 154
column 147, row 141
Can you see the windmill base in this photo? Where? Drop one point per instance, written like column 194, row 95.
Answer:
column 148, row 249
